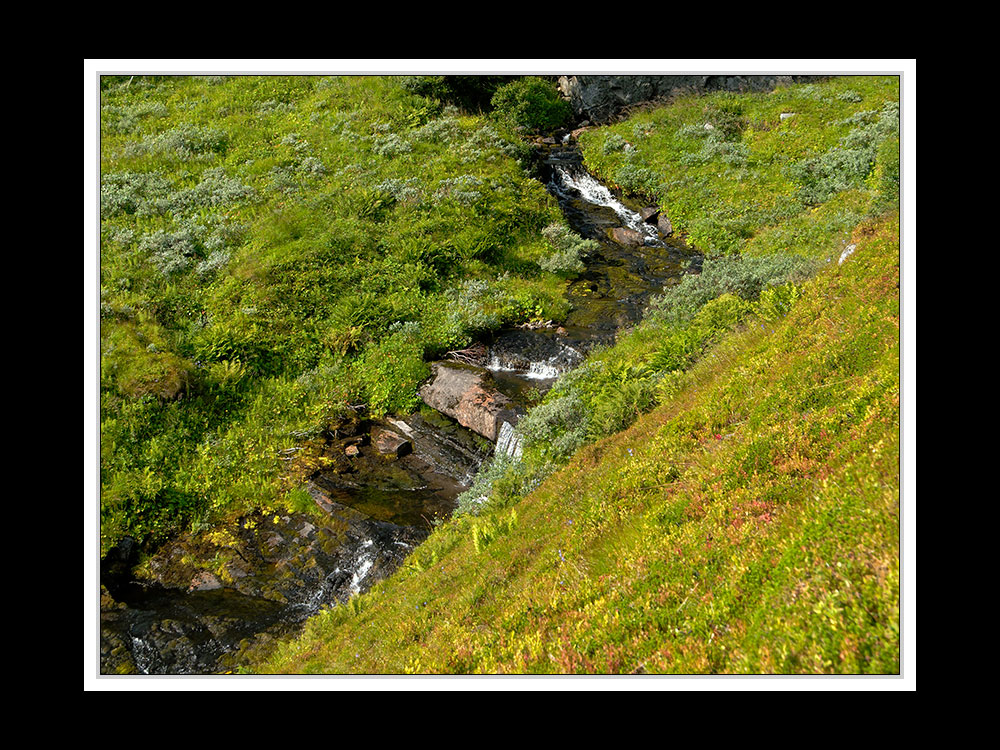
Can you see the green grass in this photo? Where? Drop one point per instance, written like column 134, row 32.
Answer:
column 716, row 493
column 276, row 248
column 747, row 525
column 719, row 491
column 754, row 182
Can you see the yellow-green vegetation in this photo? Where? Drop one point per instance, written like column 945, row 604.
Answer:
column 749, row 524
column 277, row 248
column 719, row 491
column 793, row 170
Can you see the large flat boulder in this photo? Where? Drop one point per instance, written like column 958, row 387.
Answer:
column 469, row 396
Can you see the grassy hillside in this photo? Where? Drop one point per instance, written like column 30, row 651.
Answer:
column 276, row 248
column 749, row 524
column 719, row 492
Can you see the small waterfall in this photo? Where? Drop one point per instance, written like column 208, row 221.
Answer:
column 144, row 655
column 365, row 563
column 508, row 441
column 547, row 370
column 532, row 356
column 594, row 192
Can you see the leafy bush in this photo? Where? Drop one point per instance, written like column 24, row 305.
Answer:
column 613, row 143
column 469, row 92
column 532, row 104
column 620, row 405
column 849, row 163
column 390, row 371
column 568, row 250
column 171, row 252
column 638, row 181
column 128, row 118
column 556, row 428
column 745, row 276
column 186, row 142
column 465, row 189
column 131, row 193
column 776, row 301
column 391, row 144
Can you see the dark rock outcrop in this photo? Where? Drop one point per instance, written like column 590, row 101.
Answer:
column 601, row 98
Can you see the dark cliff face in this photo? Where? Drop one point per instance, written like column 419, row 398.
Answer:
column 600, row 98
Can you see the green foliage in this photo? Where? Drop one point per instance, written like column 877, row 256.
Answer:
column 749, row 525
column 743, row 276
column 185, row 143
column 727, row 167
column 849, row 163
column 472, row 93
column 568, row 250
column 531, row 103
column 257, row 237
column 556, row 428
column 390, row 371
column 776, row 301
column 486, row 530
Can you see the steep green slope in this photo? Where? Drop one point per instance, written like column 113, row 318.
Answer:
column 749, row 524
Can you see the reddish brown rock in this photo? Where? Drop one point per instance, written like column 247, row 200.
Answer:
column 390, row 443
column 468, row 395
column 204, row 581
column 627, row 237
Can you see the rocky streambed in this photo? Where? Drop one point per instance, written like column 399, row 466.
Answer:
column 205, row 601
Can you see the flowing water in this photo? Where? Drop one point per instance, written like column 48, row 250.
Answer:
column 378, row 510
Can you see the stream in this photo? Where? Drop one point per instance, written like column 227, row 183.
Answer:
column 386, row 481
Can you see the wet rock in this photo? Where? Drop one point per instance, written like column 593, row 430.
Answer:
column 351, row 450
column 649, row 214
column 536, row 355
column 117, row 564
column 204, row 581
column 627, row 237
column 469, row 396
column 664, row 226
column 186, row 619
column 390, row 443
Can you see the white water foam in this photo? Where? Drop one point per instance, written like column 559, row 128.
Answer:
column 508, row 441
column 546, row 370
column 594, row 192
column 365, row 563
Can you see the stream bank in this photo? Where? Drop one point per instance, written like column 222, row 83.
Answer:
column 204, row 600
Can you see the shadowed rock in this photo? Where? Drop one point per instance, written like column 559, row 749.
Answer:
column 390, row 443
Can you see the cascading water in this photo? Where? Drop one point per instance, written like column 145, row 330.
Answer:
column 508, row 441
column 533, row 355
column 568, row 182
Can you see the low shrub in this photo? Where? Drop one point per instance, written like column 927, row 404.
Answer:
column 472, row 93
column 568, row 250
column 744, row 276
